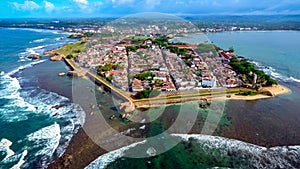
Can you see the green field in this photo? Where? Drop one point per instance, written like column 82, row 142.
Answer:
column 72, row 49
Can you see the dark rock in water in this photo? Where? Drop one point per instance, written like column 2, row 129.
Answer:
column 34, row 57
column 57, row 106
column 56, row 114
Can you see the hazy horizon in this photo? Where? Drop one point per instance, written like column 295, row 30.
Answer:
column 119, row 8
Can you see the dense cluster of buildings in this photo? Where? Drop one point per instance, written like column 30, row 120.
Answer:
column 166, row 71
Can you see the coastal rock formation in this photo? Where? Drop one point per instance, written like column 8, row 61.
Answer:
column 56, row 57
column 127, row 106
column 34, row 57
column 49, row 53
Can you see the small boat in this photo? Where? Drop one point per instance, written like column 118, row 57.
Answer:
column 62, row 74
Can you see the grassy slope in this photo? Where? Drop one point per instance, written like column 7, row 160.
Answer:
column 72, row 48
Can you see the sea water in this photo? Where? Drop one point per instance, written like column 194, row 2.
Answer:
column 31, row 132
column 268, row 130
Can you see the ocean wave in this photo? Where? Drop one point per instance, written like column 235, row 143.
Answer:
column 22, row 60
column 21, row 161
column 295, row 79
column 5, row 147
column 70, row 117
column 11, row 157
column 2, row 73
column 105, row 159
column 39, row 40
column 23, row 67
column 49, row 136
column 37, row 30
column 10, row 91
column 274, row 73
column 249, row 155
column 255, row 156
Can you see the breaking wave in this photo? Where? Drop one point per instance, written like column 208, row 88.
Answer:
column 5, row 147
column 274, row 73
column 105, row 159
column 32, row 102
column 248, row 155
column 253, row 155
column 39, row 40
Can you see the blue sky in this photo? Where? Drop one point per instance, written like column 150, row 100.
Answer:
column 99, row 8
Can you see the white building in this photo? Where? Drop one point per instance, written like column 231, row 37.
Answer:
column 209, row 82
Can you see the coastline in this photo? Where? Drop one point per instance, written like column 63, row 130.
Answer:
column 77, row 154
column 272, row 91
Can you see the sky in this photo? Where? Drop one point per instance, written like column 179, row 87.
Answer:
column 106, row 8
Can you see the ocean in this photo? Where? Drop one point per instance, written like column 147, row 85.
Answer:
column 259, row 134
column 31, row 132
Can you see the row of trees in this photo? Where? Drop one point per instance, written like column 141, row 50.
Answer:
column 135, row 48
column 147, row 94
column 107, row 67
column 242, row 66
column 144, row 76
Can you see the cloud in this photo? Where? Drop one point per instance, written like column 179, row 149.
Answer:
column 82, row 4
column 120, row 2
column 27, row 6
column 49, row 6
column 152, row 3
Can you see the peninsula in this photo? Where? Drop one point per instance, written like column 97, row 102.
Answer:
column 148, row 71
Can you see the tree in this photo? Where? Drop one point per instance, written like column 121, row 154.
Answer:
column 243, row 66
column 231, row 50
column 147, row 94
column 144, row 76
column 70, row 56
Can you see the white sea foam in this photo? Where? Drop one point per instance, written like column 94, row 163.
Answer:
column 36, row 30
column 295, row 79
column 105, row 159
column 11, row 92
column 49, row 137
column 72, row 114
column 21, row 161
column 39, row 40
column 257, row 156
column 5, row 146
column 274, row 73
column 2, row 73
column 22, row 60
column 24, row 67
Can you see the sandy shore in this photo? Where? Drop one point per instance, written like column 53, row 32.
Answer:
column 273, row 90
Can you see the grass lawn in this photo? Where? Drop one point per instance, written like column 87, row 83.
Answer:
column 72, row 49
